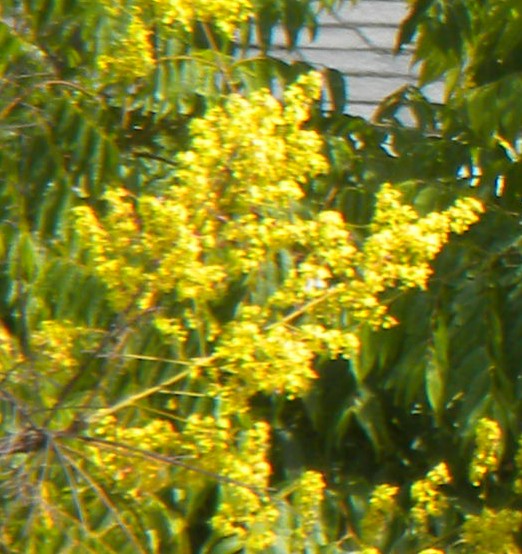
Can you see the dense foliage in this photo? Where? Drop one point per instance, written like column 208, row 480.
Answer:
column 235, row 319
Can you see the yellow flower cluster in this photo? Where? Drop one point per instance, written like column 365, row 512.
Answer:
column 233, row 213
column 227, row 15
column 488, row 451
column 131, row 54
column 334, row 341
column 402, row 244
column 141, row 253
column 489, row 532
column 231, row 210
column 381, row 509
column 216, row 445
column 274, row 361
column 59, row 345
column 49, row 359
column 10, row 355
column 249, row 175
column 492, row 532
column 224, row 216
column 136, row 474
column 342, row 282
column 428, row 499
column 307, row 502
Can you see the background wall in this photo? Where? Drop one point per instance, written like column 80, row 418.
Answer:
column 359, row 41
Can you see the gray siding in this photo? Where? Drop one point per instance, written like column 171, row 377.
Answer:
column 359, row 41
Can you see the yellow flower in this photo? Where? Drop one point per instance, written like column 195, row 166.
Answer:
column 492, row 532
column 226, row 14
column 380, row 512
column 131, row 54
column 307, row 501
column 488, row 451
column 428, row 499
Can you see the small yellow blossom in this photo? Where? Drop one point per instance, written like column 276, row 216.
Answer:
column 143, row 475
column 307, row 502
column 488, row 451
column 492, row 532
column 226, row 14
column 380, row 512
column 428, row 499
column 131, row 54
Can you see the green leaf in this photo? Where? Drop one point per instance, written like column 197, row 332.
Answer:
column 24, row 259
column 435, row 386
column 336, row 84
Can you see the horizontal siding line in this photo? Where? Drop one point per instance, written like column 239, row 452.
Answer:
column 362, row 102
column 360, row 42
column 404, row 53
column 380, row 75
column 358, row 25
column 315, row 47
column 377, row 50
column 411, row 78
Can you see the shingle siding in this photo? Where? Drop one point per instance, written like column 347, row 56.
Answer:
column 359, row 41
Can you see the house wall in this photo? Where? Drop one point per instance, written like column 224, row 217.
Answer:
column 359, row 41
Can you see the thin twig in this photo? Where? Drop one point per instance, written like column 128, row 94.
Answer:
column 72, row 483
column 119, row 334
column 138, row 396
column 304, row 308
column 40, row 486
column 106, row 500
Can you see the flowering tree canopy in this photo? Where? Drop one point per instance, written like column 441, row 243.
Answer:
column 208, row 272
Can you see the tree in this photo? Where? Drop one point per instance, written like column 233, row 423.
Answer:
column 213, row 333
column 446, row 379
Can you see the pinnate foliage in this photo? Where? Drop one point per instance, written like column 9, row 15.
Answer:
column 163, row 261
column 185, row 269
